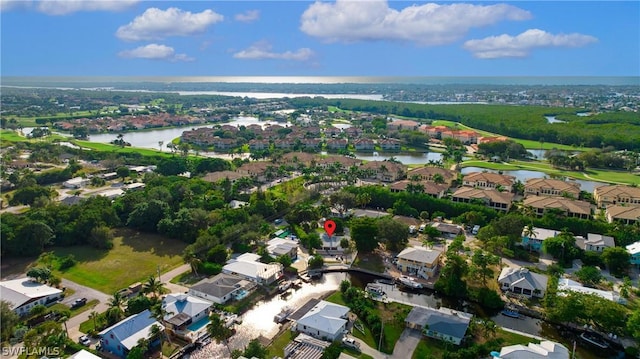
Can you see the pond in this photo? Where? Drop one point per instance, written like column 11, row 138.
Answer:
column 523, row 175
column 407, row 159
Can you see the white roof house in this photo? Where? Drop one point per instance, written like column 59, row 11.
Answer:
column 83, row 354
column 75, row 182
column 566, row 284
column 24, row 293
column 325, row 321
column 633, row 248
column 595, row 242
column 248, row 267
column 183, row 309
column 522, row 281
column 280, row 246
column 545, row 350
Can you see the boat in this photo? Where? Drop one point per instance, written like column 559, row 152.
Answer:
column 374, row 289
column 594, row 339
column 230, row 320
column 283, row 315
column 409, row 282
column 510, row 313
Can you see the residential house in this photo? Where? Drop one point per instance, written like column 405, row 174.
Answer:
column 248, row 267
column 255, row 170
column 419, row 261
column 432, row 174
column 634, row 251
column 397, row 125
column 121, row 337
column 284, row 144
column 522, row 281
column 258, row 145
column 594, row 242
column 489, row 180
column 76, row 182
column 364, row 144
column 83, row 354
column 616, row 195
column 447, row 230
column 325, row 320
column 343, row 163
column 182, row 310
column 384, row 171
column 566, row 285
column 222, row 288
column 223, row 143
column 443, row 323
column 545, row 350
column 277, row 247
column 431, row 188
column 566, row 206
column 337, row 144
column 534, row 239
column 500, row 201
column 552, row 187
column 389, row 144
column 311, row 142
column 71, row 200
column 624, row 214
column 332, row 131
column 24, row 293
column 305, row 347
column 298, row 159
column 353, row 132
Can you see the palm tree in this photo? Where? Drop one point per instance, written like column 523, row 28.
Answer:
column 218, row 330
column 94, row 315
column 115, row 311
column 159, row 313
column 154, row 286
column 157, row 333
column 529, row 232
column 64, row 320
column 193, row 261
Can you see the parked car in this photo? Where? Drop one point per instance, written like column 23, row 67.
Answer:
column 78, row 303
column 278, row 221
column 84, row 340
column 351, row 343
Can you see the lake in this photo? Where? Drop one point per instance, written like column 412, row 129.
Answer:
column 523, row 175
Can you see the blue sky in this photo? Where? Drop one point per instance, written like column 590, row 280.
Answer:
column 324, row 38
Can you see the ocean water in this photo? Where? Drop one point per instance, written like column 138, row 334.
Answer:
column 418, row 80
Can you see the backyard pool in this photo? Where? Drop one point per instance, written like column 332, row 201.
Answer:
column 194, row 327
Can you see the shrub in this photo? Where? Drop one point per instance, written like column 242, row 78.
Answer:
column 67, row 262
column 209, row 268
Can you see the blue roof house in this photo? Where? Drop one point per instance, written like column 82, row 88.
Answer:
column 121, row 337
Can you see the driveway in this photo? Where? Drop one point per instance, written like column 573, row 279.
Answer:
column 406, row 344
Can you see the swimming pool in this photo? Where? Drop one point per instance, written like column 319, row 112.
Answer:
column 241, row 294
column 194, row 327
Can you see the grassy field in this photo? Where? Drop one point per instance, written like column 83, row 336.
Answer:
column 529, row 144
column 113, row 148
column 606, row 176
column 276, row 348
column 133, row 258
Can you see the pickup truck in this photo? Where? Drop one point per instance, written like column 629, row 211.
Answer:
column 78, row 303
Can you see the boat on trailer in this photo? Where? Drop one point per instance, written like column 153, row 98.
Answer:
column 510, row 313
column 409, row 282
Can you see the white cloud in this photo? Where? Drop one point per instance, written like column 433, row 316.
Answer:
column 65, row 7
column 521, row 45
column 427, row 24
column 248, row 16
column 156, row 24
column 262, row 50
column 155, row 52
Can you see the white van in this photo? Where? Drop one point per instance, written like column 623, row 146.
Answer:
column 422, row 227
column 412, row 229
column 475, row 229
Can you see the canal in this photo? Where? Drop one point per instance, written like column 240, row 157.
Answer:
column 259, row 320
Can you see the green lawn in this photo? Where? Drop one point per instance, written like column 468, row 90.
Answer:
column 529, row 144
column 370, row 261
column 276, row 348
column 113, row 148
column 134, row 257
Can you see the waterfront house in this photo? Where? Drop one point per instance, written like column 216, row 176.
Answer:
column 364, row 144
column 566, row 285
column 389, row 144
column 181, row 310
column 432, row 173
column 384, row 171
column 277, row 247
column 442, row 323
column 545, row 350
column 222, row 288
column 249, row 267
column 534, row 239
column 398, row 124
column 489, row 180
column 24, row 293
column 625, row 214
column 337, row 144
column 305, row 347
column 595, row 242
column 427, row 187
column 121, row 337
column 634, row 251
column 616, row 195
column 500, row 201
column 552, row 187
column 568, row 207
column 522, row 281
column 325, row 320
column 419, row 261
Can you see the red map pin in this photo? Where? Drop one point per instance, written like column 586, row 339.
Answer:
column 329, row 227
